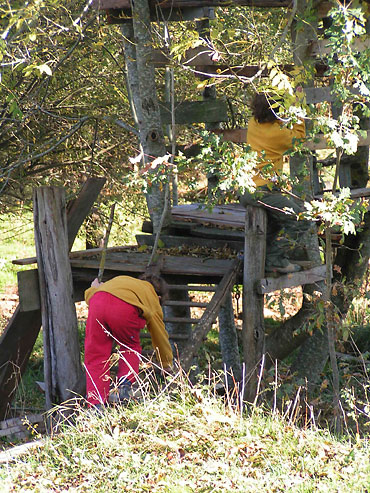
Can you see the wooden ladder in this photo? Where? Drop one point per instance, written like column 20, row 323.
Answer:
column 203, row 324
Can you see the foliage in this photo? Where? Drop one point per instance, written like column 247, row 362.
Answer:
column 338, row 211
column 234, row 165
column 61, row 112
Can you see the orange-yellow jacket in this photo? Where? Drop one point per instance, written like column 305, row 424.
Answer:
column 141, row 294
column 271, row 140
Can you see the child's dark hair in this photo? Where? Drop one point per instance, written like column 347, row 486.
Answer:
column 261, row 109
column 159, row 284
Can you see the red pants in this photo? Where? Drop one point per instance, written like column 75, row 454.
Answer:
column 108, row 318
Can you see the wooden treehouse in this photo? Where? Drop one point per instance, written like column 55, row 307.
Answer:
column 232, row 227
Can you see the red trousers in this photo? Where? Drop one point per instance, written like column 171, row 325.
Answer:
column 110, row 320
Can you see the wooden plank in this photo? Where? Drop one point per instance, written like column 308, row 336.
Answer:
column 181, row 320
column 136, row 263
column 210, row 314
column 185, row 303
column 170, row 4
column 78, row 209
column 16, row 345
column 28, row 290
column 123, row 16
column 186, row 112
column 250, row 71
column 201, row 55
column 322, row 47
column 321, row 94
column 191, row 287
column 356, row 193
column 270, row 284
column 233, row 217
column 19, row 336
column 181, row 228
column 191, row 241
column 92, row 252
column 321, row 142
column 253, row 332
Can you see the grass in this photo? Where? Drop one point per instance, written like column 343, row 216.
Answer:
column 189, row 440
column 16, row 234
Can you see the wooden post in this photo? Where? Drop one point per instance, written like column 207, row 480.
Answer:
column 253, row 333
column 62, row 364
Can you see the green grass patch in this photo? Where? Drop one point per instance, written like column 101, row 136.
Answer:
column 188, row 440
column 16, row 232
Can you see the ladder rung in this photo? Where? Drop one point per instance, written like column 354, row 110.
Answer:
column 186, row 287
column 174, row 337
column 182, row 320
column 185, row 303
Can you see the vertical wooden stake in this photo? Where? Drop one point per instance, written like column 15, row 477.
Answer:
column 62, row 363
column 253, row 333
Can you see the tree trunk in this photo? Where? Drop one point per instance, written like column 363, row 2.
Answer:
column 62, row 364
column 147, row 108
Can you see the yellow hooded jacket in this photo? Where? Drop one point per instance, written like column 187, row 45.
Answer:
column 141, row 294
column 271, row 140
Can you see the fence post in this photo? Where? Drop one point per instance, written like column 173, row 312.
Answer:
column 62, row 364
column 253, row 332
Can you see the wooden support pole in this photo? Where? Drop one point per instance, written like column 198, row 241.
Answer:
column 253, row 332
column 62, row 365
column 20, row 334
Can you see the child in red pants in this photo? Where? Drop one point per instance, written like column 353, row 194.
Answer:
column 118, row 310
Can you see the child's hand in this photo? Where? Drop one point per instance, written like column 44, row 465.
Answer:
column 95, row 283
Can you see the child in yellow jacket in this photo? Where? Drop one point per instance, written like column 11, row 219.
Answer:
column 268, row 136
column 118, row 310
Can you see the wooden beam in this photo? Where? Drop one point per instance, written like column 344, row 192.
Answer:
column 79, row 208
column 16, row 345
column 135, row 263
column 322, row 47
column 270, row 284
column 170, row 4
column 253, row 331
column 321, row 142
column 92, row 252
column 195, row 112
column 321, row 94
column 64, row 377
column 20, row 334
column 190, row 241
column 198, row 304
column 123, row 16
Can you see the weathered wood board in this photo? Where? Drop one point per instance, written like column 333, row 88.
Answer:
column 19, row 336
column 208, row 111
column 191, row 241
column 128, row 263
column 16, row 345
column 170, row 4
column 231, row 215
column 253, row 331
column 310, row 276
